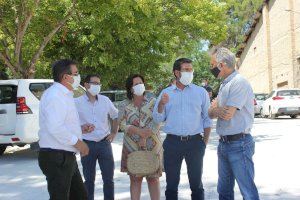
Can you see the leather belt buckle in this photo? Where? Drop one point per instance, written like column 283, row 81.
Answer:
column 184, row 138
column 224, row 139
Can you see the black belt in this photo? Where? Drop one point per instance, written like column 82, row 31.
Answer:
column 230, row 138
column 186, row 138
column 95, row 141
column 57, row 150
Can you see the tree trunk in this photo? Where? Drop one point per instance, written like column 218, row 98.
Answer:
column 15, row 63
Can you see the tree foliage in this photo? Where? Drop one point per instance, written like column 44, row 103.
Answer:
column 113, row 38
column 26, row 27
column 120, row 37
column 240, row 16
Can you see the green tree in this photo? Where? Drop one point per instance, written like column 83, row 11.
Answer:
column 119, row 37
column 113, row 38
column 3, row 73
column 241, row 14
column 26, row 27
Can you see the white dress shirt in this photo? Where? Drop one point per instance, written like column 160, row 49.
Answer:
column 98, row 114
column 59, row 120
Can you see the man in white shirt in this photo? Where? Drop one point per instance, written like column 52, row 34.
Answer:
column 95, row 112
column 60, row 135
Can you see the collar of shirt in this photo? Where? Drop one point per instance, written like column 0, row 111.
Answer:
column 230, row 77
column 145, row 101
column 87, row 98
column 174, row 87
column 63, row 88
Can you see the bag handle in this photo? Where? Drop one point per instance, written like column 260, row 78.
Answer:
column 156, row 140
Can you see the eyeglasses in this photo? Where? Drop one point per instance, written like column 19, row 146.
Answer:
column 137, row 84
column 187, row 70
column 95, row 83
column 76, row 74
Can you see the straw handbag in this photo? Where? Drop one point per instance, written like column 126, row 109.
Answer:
column 143, row 163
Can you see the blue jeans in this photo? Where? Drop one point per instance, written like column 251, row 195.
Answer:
column 235, row 163
column 174, row 153
column 101, row 152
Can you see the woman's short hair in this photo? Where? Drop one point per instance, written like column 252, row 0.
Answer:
column 129, row 84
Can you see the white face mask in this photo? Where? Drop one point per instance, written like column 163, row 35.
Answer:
column 186, row 78
column 76, row 82
column 94, row 90
column 139, row 89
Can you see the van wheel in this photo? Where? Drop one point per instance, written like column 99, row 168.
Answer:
column 293, row 116
column 2, row 149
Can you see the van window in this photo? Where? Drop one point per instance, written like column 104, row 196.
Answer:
column 8, row 94
column 111, row 96
column 120, row 96
column 261, row 97
column 37, row 89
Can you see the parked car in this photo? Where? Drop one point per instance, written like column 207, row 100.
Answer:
column 259, row 99
column 117, row 96
column 19, row 110
column 282, row 102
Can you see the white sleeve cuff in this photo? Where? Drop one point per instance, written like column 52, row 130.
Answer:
column 74, row 140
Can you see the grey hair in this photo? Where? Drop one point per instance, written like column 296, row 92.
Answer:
column 224, row 55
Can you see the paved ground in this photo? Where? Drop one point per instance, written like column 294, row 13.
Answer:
column 276, row 160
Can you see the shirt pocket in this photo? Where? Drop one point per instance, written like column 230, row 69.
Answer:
column 174, row 104
column 193, row 104
column 102, row 117
column 223, row 96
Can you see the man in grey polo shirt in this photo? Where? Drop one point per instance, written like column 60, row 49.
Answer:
column 234, row 111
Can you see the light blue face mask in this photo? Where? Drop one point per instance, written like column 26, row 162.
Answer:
column 186, row 78
column 94, row 90
column 139, row 89
column 76, row 81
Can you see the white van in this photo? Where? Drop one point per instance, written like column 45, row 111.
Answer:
column 19, row 110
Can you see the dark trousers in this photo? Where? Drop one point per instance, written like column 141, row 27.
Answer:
column 63, row 176
column 101, row 152
column 192, row 151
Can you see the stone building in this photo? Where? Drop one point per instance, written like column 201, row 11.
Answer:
column 270, row 55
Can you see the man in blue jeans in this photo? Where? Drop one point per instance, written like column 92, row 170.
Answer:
column 234, row 110
column 95, row 112
column 184, row 109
